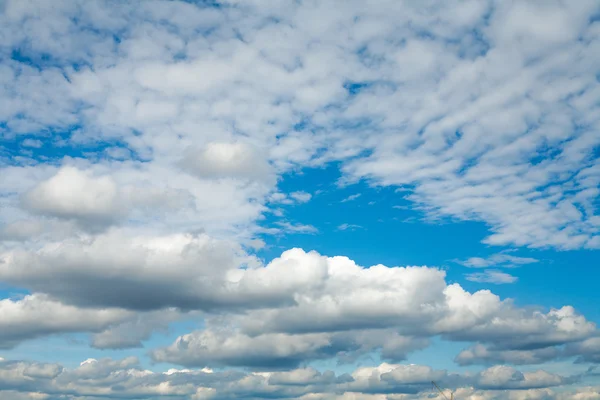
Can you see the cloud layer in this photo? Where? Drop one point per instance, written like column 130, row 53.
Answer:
column 145, row 145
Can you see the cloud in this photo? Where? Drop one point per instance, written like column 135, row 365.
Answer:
column 491, row 276
column 163, row 118
column 121, row 379
column 503, row 377
column 35, row 143
column 586, row 351
column 235, row 160
column 37, row 315
column 117, row 269
column 433, row 112
column 350, row 311
column 479, row 354
column 496, row 260
column 351, row 197
column 300, row 196
column 297, row 228
column 269, row 351
column 345, row 226
column 75, row 194
column 136, row 329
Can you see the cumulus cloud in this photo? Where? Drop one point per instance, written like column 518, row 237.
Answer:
column 350, row 311
column 121, row 379
column 37, row 315
column 72, row 193
column 480, row 354
column 133, row 331
column 190, row 272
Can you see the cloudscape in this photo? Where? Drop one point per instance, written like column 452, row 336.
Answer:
column 299, row 199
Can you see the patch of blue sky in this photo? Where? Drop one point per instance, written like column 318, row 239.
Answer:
column 75, row 347
column 41, row 60
column 12, row 292
column 54, row 146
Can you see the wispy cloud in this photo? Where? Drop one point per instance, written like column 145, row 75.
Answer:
column 496, row 260
column 352, row 197
column 297, row 228
column 300, row 196
column 35, row 143
column 344, row 227
column 491, row 276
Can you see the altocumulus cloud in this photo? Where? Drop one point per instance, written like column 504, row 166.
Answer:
column 146, row 143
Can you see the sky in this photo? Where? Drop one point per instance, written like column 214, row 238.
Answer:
column 296, row 199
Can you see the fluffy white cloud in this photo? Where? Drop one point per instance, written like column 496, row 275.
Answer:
column 347, row 310
column 150, row 272
column 72, row 193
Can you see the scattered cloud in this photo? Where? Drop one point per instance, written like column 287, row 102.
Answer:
column 293, row 198
column 345, row 226
column 218, row 160
column 125, row 378
column 38, row 315
column 300, row 196
column 491, row 276
column 165, row 130
column 297, row 228
column 351, row 197
column 34, row 143
column 496, row 260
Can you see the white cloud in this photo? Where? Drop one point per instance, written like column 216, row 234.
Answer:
column 227, row 160
column 479, row 354
column 491, row 276
column 351, row 197
column 37, row 315
column 72, row 193
column 136, row 329
column 188, row 115
column 294, row 197
column 35, row 143
column 397, row 309
column 297, row 228
column 121, row 379
column 345, row 226
column 301, row 197
column 202, row 274
column 483, row 120
column 496, row 260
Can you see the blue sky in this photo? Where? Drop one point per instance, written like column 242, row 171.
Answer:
column 299, row 200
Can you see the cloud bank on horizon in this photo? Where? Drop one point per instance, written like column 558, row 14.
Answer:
column 156, row 158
